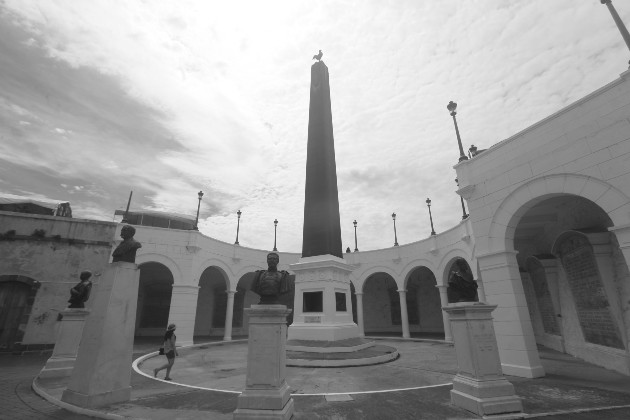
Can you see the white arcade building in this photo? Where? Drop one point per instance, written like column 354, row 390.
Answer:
column 548, row 241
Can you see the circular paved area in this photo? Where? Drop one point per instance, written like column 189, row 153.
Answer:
column 222, row 366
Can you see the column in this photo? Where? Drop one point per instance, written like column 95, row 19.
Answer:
column 448, row 336
column 359, row 296
column 229, row 314
column 481, row 293
column 515, row 335
column 404, row 318
column 183, row 311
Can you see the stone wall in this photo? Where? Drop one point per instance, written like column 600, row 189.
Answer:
column 52, row 251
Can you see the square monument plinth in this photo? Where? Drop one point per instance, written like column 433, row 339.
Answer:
column 479, row 385
column 61, row 363
column 267, row 394
column 102, row 371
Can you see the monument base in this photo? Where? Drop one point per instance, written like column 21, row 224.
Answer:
column 323, row 332
column 96, row 400
column 64, row 355
column 102, row 372
column 485, row 397
column 479, row 385
column 267, row 394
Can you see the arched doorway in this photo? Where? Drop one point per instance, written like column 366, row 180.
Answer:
column 424, row 308
column 17, row 294
column 573, row 276
column 381, row 305
column 154, row 299
column 211, row 304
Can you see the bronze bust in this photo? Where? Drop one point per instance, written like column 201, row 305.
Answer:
column 80, row 293
column 126, row 251
column 271, row 283
column 461, row 285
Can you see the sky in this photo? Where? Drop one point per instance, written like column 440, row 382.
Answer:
column 99, row 98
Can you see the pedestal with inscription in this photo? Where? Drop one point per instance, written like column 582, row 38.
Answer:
column 479, row 385
column 267, row 394
column 61, row 363
column 102, row 371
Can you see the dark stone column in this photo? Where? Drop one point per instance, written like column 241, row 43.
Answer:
column 322, row 231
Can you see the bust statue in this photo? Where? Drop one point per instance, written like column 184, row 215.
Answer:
column 461, row 285
column 80, row 293
column 271, row 283
column 126, row 251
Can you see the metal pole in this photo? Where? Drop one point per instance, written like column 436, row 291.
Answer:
column 356, row 249
column 464, row 215
column 618, row 21
column 430, row 216
column 452, row 106
column 199, row 194
column 124, row 220
column 275, row 229
column 238, row 225
column 395, row 236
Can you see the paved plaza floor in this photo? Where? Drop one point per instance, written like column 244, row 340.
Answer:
column 207, row 379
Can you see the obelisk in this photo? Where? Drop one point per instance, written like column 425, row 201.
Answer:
column 322, row 305
column 322, row 231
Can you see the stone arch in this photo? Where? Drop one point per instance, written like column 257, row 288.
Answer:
column 447, row 261
column 165, row 261
column 222, row 267
column 15, row 319
column 155, row 291
column 411, row 266
column 502, row 227
column 362, row 278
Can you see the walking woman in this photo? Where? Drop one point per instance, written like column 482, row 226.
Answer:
column 169, row 351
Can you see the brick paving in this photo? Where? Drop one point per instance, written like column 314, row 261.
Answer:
column 17, row 399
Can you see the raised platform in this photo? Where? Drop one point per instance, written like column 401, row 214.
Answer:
column 348, row 352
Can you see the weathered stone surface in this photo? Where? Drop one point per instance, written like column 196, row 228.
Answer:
column 322, row 229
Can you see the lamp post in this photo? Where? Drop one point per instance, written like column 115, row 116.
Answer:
column 452, row 106
column 618, row 21
column 275, row 229
column 464, row 215
column 238, row 225
column 355, row 236
column 199, row 194
column 430, row 216
column 395, row 236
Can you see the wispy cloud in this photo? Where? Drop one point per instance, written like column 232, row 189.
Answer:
column 168, row 98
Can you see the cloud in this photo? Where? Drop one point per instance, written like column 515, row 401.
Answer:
column 170, row 98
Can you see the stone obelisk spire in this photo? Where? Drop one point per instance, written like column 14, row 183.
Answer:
column 322, row 231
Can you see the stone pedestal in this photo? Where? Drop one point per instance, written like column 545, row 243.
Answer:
column 328, row 275
column 267, row 394
column 61, row 363
column 102, row 371
column 479, row 385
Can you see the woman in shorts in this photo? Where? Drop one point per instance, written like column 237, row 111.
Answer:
column 169, row 351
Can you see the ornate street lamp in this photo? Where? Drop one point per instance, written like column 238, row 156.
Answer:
column 452, row 106
column 238, row 225
column 199, row 194
column 355, row 236
column 618, row 21
column 395, row 236
column 430, row 216
column 275, row 229
column 464, row 215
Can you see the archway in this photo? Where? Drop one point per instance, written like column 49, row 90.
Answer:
column 381, row 305
column 154, row 299
column 211, row 303
column 424, row 308
column 573, row 276
column 17, row 294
